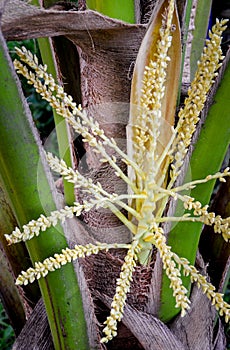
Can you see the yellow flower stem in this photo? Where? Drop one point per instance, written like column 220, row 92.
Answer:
column 126, row 222
column 96, row 189
column 46, row 90
column 67, row 255
column 192, row 184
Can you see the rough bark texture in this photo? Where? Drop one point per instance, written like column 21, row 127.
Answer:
column 195, row 330
column 148, row 332
column 36, row 334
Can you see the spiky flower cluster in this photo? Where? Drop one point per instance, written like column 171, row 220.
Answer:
column 220, row 225
column 172, row 271
column 197, row 95
column 123, row 287
column 147, row 124
column 41, row 269
column 207, row 287
column 148, row 194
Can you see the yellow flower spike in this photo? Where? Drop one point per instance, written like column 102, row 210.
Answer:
column 41, row 269
column 207, row 288
column 148, row 192
column 123, row 287
column 153, row 100
column 197, row 95
column 152, row 108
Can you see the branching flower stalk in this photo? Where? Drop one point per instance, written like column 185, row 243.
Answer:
column 41, row 269
column 197, row 95
column 148, row 196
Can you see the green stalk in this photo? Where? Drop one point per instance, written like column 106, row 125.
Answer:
column 200, row 32
column 184, row 46
column 20, row 153
column 61, row 127
column 120, row 9
column 206, row 159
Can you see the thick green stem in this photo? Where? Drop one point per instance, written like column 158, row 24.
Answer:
column 120, row 9
column 202, row 18
column 20, row 154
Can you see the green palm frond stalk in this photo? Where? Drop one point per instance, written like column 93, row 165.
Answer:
column 123, row 10
column 200, row 32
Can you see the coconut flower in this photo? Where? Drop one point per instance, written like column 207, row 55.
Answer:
column 148, row 192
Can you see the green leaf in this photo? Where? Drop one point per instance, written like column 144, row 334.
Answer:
column 120, row 9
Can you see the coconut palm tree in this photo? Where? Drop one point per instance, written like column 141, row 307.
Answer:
column 127, row 76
